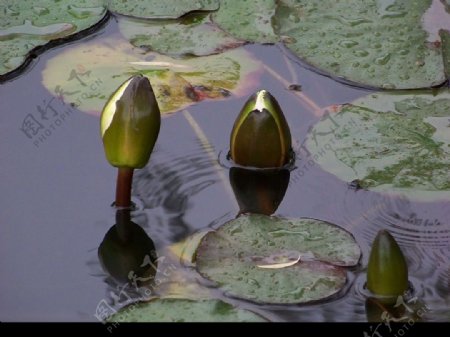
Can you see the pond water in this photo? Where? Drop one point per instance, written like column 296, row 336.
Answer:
column 57, row 190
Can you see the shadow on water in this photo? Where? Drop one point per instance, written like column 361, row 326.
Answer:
column 58, row 195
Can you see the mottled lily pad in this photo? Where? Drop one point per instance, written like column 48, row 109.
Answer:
column 397, row 142
column 445, row 38
column 274, row 260
column 184, row 310
column 25, row 25
column 87, row 74
column 196, row 35
column 379, row 43
column 247, row 20
column 161, row 9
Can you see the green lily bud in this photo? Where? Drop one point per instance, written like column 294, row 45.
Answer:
column 378, row 308
column 130, row 123
column 124, row 250
column 387, row 271
column 259, row 191
column 261, row 135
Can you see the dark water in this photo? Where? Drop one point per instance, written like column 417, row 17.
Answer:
column 56, row 196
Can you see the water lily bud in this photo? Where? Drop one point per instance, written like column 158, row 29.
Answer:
column 387, row 272
column 130, row 123
column 260, row 135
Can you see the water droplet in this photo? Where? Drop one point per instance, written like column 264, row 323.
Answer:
column 382, row 60
column 41, row 10
column 360, row 53
column 49, row 32
column 347, row 43
column 83, row 12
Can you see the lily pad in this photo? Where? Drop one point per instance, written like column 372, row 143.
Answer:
column 184, row 310
column 445, row 38
column 280, row 261
column 196, row 36
column 27, row 25
column 378, row 43
column 161, row 9
column 395, row 142
column 247, row 20
column 87, row 74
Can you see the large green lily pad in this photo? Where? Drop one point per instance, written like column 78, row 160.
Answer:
column 184, row 310
column 87, row 74
column 25, row 25
column 161, row 8
column 379, row 43
column 247, row 20
column 445, row 38
column 195, row 35
column 274, row 260
column 396, row 142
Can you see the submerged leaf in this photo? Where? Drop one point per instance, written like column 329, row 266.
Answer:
column 86, row 74
column 197, row 37
column 390, row 142
column 247, row 20
column 161, row 9
column 375, row 43
column 184, row 310
column 25, row 25
column 234, row 256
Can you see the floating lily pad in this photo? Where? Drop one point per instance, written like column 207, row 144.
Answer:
column 274, row 260
column 184, row 310
column 247, row 20
column 161, row 9
column 87, row 74
column 390, row 142
column 445, row 38
column 379, row 43
column 196, row 36
column 25, row 25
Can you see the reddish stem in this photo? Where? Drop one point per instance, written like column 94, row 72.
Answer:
column 123, row 187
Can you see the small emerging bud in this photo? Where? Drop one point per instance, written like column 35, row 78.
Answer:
column 387, row 271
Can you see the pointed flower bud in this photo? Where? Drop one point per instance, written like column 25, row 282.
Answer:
column 387, row 272
column 130, row 123
column 260, row 136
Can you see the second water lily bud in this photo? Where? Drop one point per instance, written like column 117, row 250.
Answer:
column 387, row 271
column 130, row 123
column 261, row 136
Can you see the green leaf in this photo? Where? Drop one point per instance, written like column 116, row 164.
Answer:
column 161, row 9
column 379, row 43
column 252, row 258
column 387, row 271
column 192, row 36
column 445, row 39
column 184, row 310
column 86, row 74
column 25, row 25
column 247, row 20
column 396, row 142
